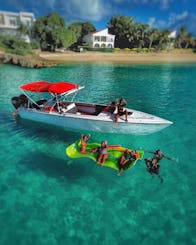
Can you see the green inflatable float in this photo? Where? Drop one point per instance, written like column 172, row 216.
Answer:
column 114, row 154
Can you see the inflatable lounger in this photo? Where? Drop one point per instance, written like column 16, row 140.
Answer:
column 114, row 154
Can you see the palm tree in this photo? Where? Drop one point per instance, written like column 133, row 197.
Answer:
column 181, row 36
column 163, row 39
column 140, row 34
column 189, row 40
column 152, row 36
column 122, row 27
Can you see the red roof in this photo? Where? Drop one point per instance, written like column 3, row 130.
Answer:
column 54, row 88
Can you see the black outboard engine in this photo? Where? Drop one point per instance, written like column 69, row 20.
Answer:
column 21, row 100
column 15, row 102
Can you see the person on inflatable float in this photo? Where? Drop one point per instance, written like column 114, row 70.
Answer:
column 126, row 159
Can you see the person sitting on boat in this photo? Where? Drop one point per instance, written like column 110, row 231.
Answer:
column 84, row 139
column 103, row 153
column 111, row 107
column 121, row 110
column 126, row 159
column 62, row 107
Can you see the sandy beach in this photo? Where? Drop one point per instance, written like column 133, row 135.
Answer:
column 121, row 57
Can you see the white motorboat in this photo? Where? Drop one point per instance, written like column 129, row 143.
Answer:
column 57, row 110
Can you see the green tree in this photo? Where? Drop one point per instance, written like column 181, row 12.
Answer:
column 140, row 35
column 76, row 27
column 152, row 37
column 189, row 40
column 81, row 29
column 181, row 37
column 87, row 28
column 39, row 31
column 69, row 40
column 52, row 33
column 24, row 29
column 54, row 30
column 24, row 32
column 163, row 39
column 15, row 45
column 123, row 28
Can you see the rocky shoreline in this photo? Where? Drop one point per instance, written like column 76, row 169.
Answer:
column 28, row 61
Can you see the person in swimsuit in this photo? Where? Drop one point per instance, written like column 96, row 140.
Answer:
column 153, row 169
column 84, row 139
column 158, row 155
column 61, row 107
column 121, row 110
column 153, row 166
column 111, row 107
column 103, row 153
column 126, row 159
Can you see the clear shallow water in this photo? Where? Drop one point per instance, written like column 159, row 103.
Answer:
column 46, row 198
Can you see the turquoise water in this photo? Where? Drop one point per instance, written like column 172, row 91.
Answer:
column 48, row 199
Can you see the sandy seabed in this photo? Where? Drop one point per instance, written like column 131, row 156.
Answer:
column 91, row 56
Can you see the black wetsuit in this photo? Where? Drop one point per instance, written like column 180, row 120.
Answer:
column 152, row 169
column 157, row 157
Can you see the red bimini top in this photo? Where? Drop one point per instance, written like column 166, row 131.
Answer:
column 39, row 86
column 54, row 88
column 62, row 87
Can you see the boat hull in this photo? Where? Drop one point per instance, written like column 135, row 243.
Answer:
column 106, row 125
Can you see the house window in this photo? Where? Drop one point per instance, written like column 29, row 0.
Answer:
column 13, row 22
column 103, row 38
column 1, row 19
column 97, row 39
column 103, row 45
column 110, row 39
column 109, row 45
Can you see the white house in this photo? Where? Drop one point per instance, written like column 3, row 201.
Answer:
column 172, row 34
column 10, row 22
column 99, row 39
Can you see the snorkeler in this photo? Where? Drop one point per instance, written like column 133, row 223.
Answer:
column 153, row 169
column 152, row 164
